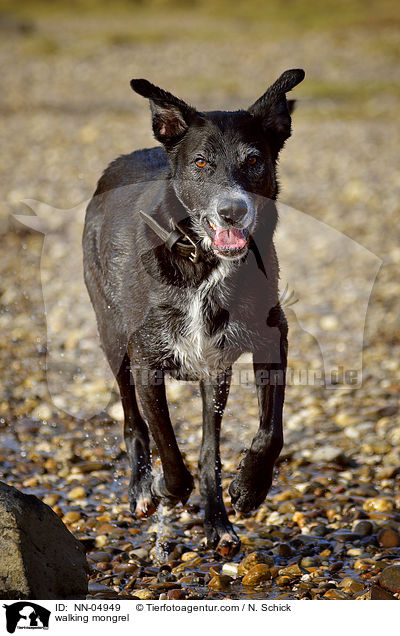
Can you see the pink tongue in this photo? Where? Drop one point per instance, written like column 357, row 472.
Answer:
column 231, row 238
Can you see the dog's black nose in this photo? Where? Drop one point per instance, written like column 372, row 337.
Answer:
column 232, row 210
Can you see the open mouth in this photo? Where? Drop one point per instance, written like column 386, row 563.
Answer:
column 228, row 241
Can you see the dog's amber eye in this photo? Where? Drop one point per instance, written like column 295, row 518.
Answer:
column 252, row 160
column 201, row 163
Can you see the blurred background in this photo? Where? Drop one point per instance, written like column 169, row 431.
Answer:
column 67, row 110
column 66, row 68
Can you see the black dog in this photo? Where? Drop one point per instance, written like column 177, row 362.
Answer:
column 182, row 272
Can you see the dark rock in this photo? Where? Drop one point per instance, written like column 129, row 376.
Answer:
column 176, row 594
column 376, row 593
column 388, row 538
column 345, row 536
column 284, row 550
column 319, row 531
column 39, row 557
column 364, row 528
column 100, row 556
column 335, row 567
column 304, row 539
column 389, row 578
column 99, row 588
column 369, row 541
column 163, row 585
column 389, row 410
column 360, row 514
column 296, row 543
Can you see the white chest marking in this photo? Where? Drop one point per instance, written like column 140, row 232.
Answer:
column 197, row 352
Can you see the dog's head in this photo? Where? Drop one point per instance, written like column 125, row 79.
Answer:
column 223, row 163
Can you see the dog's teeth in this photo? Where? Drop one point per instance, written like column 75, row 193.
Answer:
column 212, row 226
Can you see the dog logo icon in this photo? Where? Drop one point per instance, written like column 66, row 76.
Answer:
column 26, row 615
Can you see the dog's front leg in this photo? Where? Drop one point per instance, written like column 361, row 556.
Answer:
column 249, row 489
column 137, row 445
column 176, row 482
column 219, row 530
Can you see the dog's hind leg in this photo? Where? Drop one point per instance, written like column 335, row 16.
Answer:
column 219, row 530
column 176, row 483
column 137, row 445
column 249, row 488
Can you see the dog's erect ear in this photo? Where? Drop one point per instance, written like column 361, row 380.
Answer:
column 171, row 116
column 274, row 109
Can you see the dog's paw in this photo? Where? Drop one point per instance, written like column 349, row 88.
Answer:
column 245, row 497
column 222, row 538
column 171, row 497
column 145, row 507
column 141, row 500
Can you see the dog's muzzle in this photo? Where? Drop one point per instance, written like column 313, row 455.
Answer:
column 229, row 228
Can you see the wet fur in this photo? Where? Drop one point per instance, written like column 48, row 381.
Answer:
column 159, row 313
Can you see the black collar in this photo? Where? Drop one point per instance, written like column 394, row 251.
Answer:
column 177, row 240
column 181, row 243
